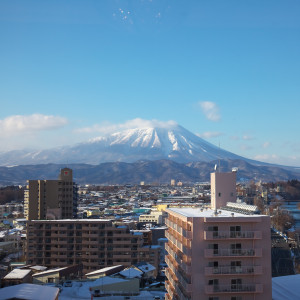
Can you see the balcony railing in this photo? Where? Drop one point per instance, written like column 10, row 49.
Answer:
column 185, row 249
column 183, row 262
column 220, row 235
column 229, row 270
column 233, row 252
column 184, row 232
column 234, row 288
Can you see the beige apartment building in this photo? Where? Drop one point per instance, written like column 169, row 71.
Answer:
column 218, row 254
column 51, row 199
column 94, row 243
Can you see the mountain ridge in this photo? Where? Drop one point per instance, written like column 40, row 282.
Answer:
column 160, row 171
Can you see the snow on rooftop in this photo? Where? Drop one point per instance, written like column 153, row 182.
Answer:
column 28, row 291
column 286, row 287
column 49, row 271
column 38, row 268
column 146, row 267
column 17, row 274
column 131, row 273
column 103, row 270
column 196, row 212
column 74, row 220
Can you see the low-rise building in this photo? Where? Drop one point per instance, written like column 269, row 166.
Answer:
column 17, row 276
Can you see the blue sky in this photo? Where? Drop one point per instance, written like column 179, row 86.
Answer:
column 228, row 71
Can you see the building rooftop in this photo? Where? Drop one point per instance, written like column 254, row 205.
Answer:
column 103, row 270
column 131, row 273
column 208, row 213
column 17, row 274
column 75, row 220
column 49, row 271
column 27, row 291
column 286, row 287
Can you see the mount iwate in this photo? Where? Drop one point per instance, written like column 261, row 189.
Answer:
column 168, row 142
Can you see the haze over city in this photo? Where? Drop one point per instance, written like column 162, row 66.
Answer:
column 227, row 71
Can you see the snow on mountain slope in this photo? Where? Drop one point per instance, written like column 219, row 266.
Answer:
column 150, row 143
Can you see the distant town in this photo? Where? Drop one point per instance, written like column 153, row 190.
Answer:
column 211, row 240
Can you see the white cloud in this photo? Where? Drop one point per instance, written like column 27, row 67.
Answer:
column 107, row 127
column 209, row 134
column 210, row 110
column 290, row 160
column 20, row 124
column 247, row 137
column 266, row 145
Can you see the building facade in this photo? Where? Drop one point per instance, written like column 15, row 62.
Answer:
column 51, row 199
column 218, row 255
column 94, row 243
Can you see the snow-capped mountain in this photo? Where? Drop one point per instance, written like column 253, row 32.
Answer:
column 130, row 145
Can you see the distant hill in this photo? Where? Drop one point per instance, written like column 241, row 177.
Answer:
column 160, row 171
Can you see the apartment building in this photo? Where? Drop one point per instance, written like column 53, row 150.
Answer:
column 217, row 254
column 7, row 209
column 94, row 243
column 51, row 199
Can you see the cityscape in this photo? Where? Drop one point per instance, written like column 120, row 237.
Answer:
column 149, row 150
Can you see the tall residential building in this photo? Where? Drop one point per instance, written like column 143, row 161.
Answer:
column 218, row 254
column 51, row 199
column 94, row 243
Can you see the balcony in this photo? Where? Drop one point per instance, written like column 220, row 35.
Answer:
column 170, row 289
column 208, row 253
column 124, row 242
column 222, row 235
column 121, row 256
column 183, row 262
column 234, row 288
column 182, row 231
column 228, row 270
column 122, row 235
column 92, row 235
column 91, row 242
column 186, row 249
column 170, row 277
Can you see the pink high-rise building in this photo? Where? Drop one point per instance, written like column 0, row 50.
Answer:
column 218, row 254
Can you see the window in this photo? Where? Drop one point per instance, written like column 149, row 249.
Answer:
column 236, row 298
column 213, row 282
column 236, row 284
column 214, row 264
column 236, row 266
column 235, row 231
column 236, row 249
column 214, row 230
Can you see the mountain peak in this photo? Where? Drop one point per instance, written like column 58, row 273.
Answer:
column 150, row 140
